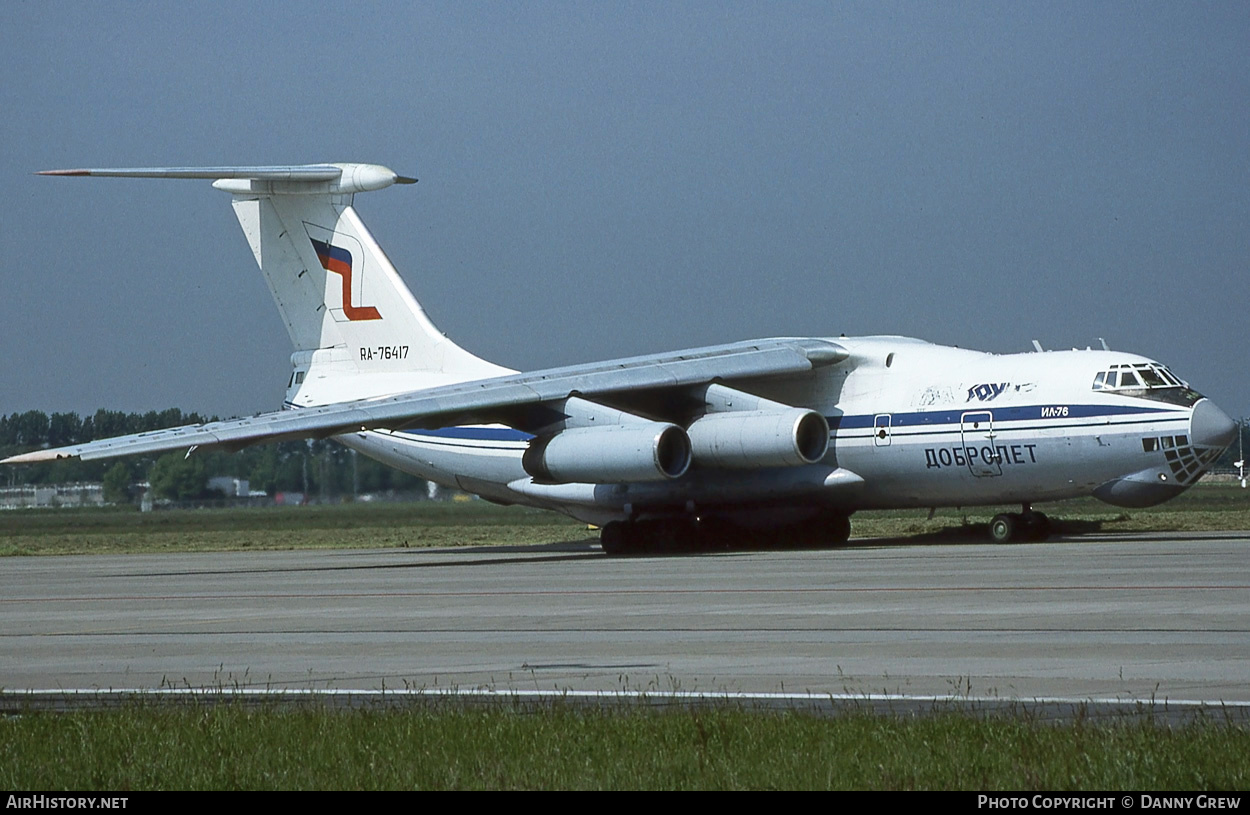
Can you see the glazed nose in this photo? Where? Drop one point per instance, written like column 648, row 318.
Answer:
column 1210, row 427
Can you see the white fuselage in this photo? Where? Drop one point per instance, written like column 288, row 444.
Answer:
column 912, row 425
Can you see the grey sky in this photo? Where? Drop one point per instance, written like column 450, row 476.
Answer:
column 605, row 179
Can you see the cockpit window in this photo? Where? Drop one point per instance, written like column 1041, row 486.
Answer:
column 1146, row 380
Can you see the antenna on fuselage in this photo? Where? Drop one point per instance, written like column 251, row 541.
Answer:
column 1037, row 346
column 1105, row 347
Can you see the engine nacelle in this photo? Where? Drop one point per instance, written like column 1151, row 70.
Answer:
column 743, row 439
column 647, row 451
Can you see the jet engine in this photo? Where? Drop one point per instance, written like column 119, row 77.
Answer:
column 647, row 451
column 766, row 438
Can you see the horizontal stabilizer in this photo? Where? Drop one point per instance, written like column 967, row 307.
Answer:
column 320, row 178
column 306, row 172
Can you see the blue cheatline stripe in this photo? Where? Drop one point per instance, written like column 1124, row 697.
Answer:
column 937, row 421
column 954, row 429
column 1001, row 414
column 1004, row 428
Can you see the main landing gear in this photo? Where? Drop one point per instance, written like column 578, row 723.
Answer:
column 1019, row 527
column 685, row 535
column 635, row 537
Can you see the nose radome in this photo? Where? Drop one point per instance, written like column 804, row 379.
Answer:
column 1210, row 427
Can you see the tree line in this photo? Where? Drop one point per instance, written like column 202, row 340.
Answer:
column 316, row 468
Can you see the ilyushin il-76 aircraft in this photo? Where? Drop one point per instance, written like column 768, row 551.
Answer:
column 778, row 439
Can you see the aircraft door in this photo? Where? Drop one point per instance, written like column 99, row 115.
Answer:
column 881, row 430
column 976, row 430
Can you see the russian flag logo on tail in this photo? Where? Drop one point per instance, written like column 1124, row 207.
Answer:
column 338, row 260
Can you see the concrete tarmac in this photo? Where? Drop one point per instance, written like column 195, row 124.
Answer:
column 1154, row 617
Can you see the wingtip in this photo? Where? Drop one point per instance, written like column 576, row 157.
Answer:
column 63, row 172
column 36, row 456
column 25, row 458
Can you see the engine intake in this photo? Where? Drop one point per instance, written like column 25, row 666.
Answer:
column 648, row 451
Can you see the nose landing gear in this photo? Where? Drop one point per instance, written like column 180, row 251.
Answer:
column 1020, row 527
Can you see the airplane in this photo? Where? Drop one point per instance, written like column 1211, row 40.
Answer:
column 778, row 439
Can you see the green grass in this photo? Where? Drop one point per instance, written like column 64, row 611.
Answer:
column 1204, row 508
column 478, row 523
column 343, row 526
column 234, row 747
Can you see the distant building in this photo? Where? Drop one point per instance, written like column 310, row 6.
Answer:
column 230, row 487
column 85, row 494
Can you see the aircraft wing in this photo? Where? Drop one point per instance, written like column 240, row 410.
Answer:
column 498, row 399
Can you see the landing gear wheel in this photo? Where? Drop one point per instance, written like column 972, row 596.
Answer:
column 716, row 535
column 1036, row 526
column 1032, row 526
column 836, row 529
column 1003, row 527
column 650, row 536
column 614, row 538
column 822, row 532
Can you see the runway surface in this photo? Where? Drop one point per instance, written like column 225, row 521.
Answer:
column 1107, row 617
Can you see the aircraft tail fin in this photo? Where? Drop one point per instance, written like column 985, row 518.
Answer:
column 356, row 328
